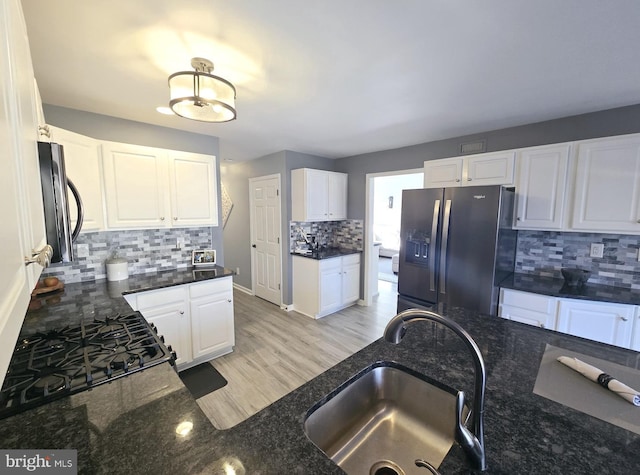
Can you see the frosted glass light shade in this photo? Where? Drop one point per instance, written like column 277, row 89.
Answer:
column 202, row 96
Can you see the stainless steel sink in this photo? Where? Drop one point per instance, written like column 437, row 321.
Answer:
column 384, row 419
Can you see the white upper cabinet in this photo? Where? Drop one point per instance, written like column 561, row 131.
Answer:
column 318, row 195
column 135, row 179
column 84, row 168
column 495, row 168
column 147, row 187
column 20, row 189
column 607, row 185
column 443, row 173
column 541, row 187
column 194, row 199
column 337, row 201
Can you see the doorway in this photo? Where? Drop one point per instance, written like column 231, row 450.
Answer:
column 382, row 226
column 265, row 223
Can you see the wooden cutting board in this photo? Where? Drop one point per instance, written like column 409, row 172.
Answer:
column 46, row 290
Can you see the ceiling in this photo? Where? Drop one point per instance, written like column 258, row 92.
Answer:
column 337, row 78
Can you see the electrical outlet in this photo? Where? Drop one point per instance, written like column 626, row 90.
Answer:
column 180, row 243
column 597, row 250
column 237, row 271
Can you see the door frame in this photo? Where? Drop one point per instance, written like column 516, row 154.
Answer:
column 368, row 226
column 253, row 274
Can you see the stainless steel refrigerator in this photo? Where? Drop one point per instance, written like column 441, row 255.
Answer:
column 457, row 245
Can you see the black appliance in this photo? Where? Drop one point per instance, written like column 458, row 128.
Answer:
column 456, row 245
column 57, row 220
column 54, row 364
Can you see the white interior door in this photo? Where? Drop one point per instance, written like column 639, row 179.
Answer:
column 265, row 237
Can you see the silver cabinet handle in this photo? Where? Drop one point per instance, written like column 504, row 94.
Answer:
column 42, row 257
column 181, row 312
column 175, row 218
column 457, row 180
column 624, row 319
column 161, row 218
column 229, row 300
column 468, row 179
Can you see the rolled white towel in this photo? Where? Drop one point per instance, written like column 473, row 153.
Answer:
column 603, row 379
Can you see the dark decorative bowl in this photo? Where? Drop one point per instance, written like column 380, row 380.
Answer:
column 575, row 277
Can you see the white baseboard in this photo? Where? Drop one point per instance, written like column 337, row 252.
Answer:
column 243, row 289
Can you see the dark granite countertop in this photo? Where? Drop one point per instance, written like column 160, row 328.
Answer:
column 129, row 425
column 558, row 288
column 327, row 253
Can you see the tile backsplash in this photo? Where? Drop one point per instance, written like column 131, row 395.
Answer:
column 147, row 250
column 544, row 253
column 347, row 234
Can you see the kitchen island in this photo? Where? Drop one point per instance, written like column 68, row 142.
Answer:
column 130, row 425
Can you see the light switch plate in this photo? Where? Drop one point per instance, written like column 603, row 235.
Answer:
column 597, row 250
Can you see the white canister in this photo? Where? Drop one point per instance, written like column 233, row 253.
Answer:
column 117, row 269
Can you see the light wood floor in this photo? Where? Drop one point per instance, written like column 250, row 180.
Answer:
column 278, row 351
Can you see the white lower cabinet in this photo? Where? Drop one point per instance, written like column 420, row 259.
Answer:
column 212, row 326
column 600, row 321
column 524, row 307
column 605, row 322
column 196, row 320
column 321, row 287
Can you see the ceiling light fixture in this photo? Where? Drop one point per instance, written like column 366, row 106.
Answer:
column 199, row 95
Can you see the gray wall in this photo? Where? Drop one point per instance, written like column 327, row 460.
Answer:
column 237, row 244
column 126, row 131
column 623, row 120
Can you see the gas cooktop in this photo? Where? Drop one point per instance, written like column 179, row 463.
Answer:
column 47, row 366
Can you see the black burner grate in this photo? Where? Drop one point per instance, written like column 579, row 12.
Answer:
column 47, row 366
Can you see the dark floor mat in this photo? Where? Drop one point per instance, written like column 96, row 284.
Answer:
column 202, row 379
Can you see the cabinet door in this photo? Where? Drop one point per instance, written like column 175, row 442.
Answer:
column 541, row 186
column 350, row 283
column 15, row 285
column 443, row 173
column 337, row 196
column 135, row 179
column 316, row 195
column 607, row 191
column 194, row 199
column 604, row 322
column 488, row 169
column 172, row 322
column 167, row 309
column 330, row 285
column 212, row 325
column 635, row 340
column 84, row 168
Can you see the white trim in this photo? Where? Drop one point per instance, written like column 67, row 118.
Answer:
column 242, row 289
column 368, row 225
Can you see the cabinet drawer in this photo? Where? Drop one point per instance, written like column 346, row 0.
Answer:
column 351, row 259
column 333, row 263
column 153, row 298
column 522, row 315
column 533, row 302
column 215, row 286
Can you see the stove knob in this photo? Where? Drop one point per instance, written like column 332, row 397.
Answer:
column 162, row 338
column 169, row 348
column 153, row 327
column 175, row 355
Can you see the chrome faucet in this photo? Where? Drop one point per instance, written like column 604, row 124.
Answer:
column 471, row 443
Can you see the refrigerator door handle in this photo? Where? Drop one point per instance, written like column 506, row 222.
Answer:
column 432, row 246
column 443, row 249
